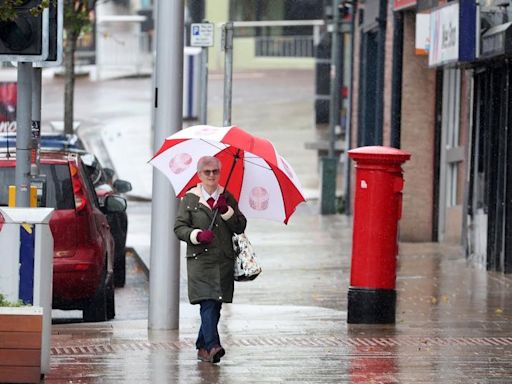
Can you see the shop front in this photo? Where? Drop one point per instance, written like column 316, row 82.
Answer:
column 490, row 176
column 452, row 47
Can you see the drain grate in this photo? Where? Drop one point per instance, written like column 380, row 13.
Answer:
column 292, row 341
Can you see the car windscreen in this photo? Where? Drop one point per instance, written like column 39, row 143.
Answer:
column 59, row 189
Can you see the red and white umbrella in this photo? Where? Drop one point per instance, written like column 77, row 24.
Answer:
column 262, row 181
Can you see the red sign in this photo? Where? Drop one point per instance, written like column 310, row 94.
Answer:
column 8, row 92
column 403, row 4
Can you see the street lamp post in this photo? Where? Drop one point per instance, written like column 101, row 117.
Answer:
column 330, row 162
column 164, row 282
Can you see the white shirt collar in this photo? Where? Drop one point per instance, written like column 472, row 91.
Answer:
column 206, row 195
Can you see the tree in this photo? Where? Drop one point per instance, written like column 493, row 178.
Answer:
column 77, row 18
column 8, row 12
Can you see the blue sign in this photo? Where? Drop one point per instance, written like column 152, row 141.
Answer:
column 26, row 290
column 467, row 30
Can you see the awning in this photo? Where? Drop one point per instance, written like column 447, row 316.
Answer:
column 497, row 41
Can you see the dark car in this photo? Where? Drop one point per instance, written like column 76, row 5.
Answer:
column 83, row 243
column 104, row 186
column 104, row 183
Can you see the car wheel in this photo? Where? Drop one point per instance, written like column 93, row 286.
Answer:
column 120, row 272
column 119, row 232
column 111, row 300
column 120, row 267
column 97, row 308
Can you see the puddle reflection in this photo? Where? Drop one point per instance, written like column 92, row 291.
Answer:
column 373, row 365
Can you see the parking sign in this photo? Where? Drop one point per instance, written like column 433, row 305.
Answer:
column 201, row 35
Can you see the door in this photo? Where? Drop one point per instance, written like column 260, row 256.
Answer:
column 451, row 161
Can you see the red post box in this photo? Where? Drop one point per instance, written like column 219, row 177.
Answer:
column 378, row 206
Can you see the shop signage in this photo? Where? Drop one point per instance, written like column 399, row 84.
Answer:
column 453, row 33
column 444, row 35
column 422, row 44
column 399, row 5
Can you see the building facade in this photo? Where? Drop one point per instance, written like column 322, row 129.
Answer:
column 433, row 78
column 394, row 104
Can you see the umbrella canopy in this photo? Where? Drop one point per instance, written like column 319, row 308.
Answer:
column 264, row 184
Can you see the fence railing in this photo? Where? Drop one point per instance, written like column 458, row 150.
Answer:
column 284, row 46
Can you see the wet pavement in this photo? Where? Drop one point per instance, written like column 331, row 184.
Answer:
column 289, row 325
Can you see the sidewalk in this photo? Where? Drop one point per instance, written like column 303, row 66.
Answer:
column 289, row 325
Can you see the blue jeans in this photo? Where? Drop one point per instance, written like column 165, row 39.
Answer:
column 208, row 334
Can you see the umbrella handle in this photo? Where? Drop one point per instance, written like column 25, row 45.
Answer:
column 213, row 219
column 237, row 156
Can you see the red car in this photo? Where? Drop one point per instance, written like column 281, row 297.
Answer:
column 83, row 244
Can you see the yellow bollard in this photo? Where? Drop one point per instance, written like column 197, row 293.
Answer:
column 12, row 196
column 33, row 196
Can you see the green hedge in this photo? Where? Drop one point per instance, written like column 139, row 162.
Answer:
column 5, row 303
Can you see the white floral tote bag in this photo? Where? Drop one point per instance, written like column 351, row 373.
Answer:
column 246, row 267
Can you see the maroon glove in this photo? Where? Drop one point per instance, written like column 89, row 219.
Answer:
column 222, row 205
column 205, row 236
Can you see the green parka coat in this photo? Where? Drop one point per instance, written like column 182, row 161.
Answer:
column 209, row 267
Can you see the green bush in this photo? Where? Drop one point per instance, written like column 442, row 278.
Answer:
column 5, row 303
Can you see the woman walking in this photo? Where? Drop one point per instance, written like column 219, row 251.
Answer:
column 210, row 255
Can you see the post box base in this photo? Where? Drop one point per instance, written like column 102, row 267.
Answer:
column 371, row 306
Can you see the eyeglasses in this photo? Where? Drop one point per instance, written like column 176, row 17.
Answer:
column 209, row 172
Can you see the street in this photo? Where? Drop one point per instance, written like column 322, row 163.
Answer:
column 376, row 133
column 289, row 325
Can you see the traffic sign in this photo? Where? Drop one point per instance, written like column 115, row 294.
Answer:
column 201, row 34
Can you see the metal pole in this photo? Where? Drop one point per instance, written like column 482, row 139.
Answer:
column 23, row 119
column 336, row 77
column 329, row 163
column 153, row 82
column 396, row 81
column 196, row 14
column 164, row 281
column 204, row 89
column 379, row 80
column 227, row 33
column 348, row 131
column 36, row 119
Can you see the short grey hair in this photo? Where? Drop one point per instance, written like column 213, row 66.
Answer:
column 208, row 160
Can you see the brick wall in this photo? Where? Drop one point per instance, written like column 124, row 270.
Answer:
column 417, row 137
column 418, row 127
